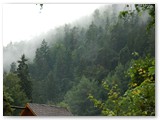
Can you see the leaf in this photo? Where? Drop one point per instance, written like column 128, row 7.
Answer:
column 151, row 70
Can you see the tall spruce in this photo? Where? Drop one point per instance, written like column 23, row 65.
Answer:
column 42, row 61
column 23, row 74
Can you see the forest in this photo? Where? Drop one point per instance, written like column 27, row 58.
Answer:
column 105, row 68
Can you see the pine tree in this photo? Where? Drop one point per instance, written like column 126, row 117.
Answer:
column 23, row 74
column 42, row 61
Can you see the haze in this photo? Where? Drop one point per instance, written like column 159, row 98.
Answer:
column 25, row 21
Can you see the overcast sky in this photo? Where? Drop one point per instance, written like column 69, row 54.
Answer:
column 24, row 21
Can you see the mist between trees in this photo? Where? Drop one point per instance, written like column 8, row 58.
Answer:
column 99, row 65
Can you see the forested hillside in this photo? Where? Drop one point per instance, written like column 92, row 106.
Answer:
column 106, row 67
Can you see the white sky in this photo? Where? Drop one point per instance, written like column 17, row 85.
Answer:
column 24, row 21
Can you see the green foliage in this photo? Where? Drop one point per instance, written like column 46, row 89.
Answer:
column 39, row 71
column 124, row 52
column 150, row 8
column 123, row 14
column 42, row 63
column 140, row 8
column 77, row 97
column 141, row 70
column 23, row 74
column 139, row 100
column 78, row 58
column 12, row 86
column 111, row 106
column 7, row 110
column 100, row 51
column 92, row 33
column 63, row 104
column 95, row 72
column 13, row 94
column 39, row 91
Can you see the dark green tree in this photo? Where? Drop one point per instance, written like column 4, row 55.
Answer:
column 139, row 99
column 77, row 98
column 100, row 50
column 91, row 34
column 7, row 100
column 23, row 74
column 62, row 71
column 12, row 86
column 42, row 61
column 124, row 52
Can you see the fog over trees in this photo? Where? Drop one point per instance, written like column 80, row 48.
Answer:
column 103, row 64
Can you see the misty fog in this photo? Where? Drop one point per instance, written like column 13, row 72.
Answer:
column 13, row 51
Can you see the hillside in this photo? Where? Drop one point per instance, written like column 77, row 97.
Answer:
column 106, row 67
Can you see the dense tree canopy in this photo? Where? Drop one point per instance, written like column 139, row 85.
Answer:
column 23, row 74
column 106, row 67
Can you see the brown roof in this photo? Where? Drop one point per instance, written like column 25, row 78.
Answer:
column 47, row 110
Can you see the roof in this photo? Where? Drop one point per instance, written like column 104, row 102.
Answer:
column 46, row 110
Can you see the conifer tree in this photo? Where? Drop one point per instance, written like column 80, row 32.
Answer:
column 23, row 74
